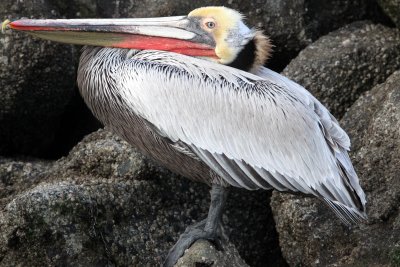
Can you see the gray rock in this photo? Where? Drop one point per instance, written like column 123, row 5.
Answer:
column 109, row 218
column 75, row 8
column 392, row 9
column 36, row 81
column 106, row 204
column 309, row 233
column 17, row 176
column 292, row 25
column 340, row 66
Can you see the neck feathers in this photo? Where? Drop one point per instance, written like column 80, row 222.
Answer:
column 254, row 54
column 263, row 50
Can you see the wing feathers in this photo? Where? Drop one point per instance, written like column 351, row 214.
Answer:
column 235, row 172
column 271, row 179
column 348, row 215
column 253, row 175
column 347, row 190
column 253, row 131
column 209, row 159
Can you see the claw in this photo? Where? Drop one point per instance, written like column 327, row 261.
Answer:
column 186, row 240
column 209, row 229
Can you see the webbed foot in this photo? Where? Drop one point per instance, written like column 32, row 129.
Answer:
column 209, row 229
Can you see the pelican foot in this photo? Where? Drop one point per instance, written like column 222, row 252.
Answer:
column 190, row 236
column 209, row 229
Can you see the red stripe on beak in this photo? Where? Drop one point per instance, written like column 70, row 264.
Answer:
column 165, row 44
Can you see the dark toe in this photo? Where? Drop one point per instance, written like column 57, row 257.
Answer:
column 191, row 235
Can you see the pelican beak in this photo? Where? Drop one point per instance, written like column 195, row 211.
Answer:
column 174, row 34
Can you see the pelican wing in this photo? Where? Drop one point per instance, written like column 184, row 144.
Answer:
column 255, row 131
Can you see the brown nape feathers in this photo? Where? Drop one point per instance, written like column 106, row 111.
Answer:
column 263, row 49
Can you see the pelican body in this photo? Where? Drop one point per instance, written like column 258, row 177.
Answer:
column 192, row 93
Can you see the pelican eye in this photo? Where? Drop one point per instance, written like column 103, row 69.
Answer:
column 210, row 24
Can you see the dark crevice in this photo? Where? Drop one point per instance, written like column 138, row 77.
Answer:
column 76, row 122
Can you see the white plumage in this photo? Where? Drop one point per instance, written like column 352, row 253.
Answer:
column 254, row 131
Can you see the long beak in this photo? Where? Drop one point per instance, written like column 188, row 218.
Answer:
column 167, row 33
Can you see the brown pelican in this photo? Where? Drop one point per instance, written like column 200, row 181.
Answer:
column 192, row 93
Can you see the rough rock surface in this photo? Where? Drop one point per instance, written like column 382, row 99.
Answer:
column 75, row 8
column 106, row 204
column 309, row 233
column 392, row 9
column 338, row 67
column 17, row 176
column 36, row 81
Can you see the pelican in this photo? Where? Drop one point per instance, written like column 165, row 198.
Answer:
column 192, row 93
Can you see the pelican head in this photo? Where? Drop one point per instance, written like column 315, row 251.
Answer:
column 231, row 36
column 213, row 33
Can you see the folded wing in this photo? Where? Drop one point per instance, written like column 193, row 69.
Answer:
column 255, row 131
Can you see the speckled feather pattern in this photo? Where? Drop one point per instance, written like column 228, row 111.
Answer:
column 216, row 124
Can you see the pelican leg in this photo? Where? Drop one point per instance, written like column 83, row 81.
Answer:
column 209, row 228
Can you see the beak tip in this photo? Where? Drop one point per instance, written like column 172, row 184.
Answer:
column 5, row 26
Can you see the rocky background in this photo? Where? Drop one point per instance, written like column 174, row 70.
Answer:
column 73, row 195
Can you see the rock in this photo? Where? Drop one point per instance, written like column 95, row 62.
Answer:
column 311, row 235
column 340, row 66
column 292, row 25
column 251, row 228
column 76, row 8
column 392, row 9
column 36, row 81
column 106, row 156
column 203, row 253
column 373, row 123
column 108, row 218
column 16, row 176
column 106, row 204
